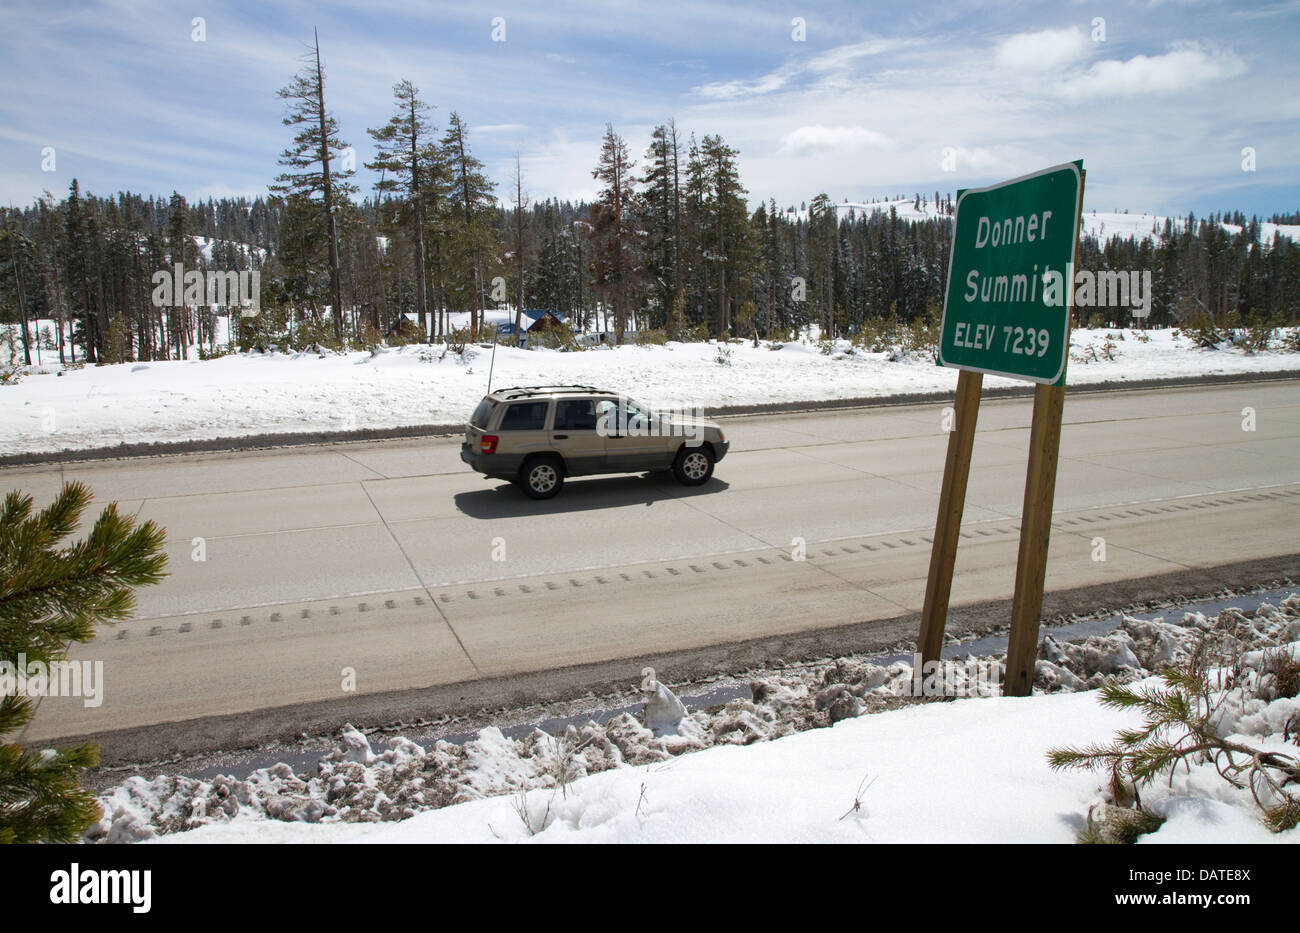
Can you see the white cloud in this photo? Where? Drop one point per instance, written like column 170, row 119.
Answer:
column 557, row 166
column 978, row 160
column 1043, row 50
column 729, row 90
column 833, row 62
column 818, row 139
column 1185, row 66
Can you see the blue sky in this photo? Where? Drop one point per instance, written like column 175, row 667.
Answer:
column 866, row 106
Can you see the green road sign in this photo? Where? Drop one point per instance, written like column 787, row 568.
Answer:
column 1010, row 277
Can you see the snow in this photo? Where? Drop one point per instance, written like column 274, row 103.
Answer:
column 970, row 771
column 205, row 245
column 663, row 711
column 1106, row 224
column 905, row 208
column 781, row 767
column 254, row 394
column 973, row 771
column 1100, row 224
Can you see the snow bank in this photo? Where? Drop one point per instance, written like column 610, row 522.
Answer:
column 977, row 766
column 274, row 393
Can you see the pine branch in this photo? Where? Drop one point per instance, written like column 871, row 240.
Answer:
column 51, row 595
column 1138, row 756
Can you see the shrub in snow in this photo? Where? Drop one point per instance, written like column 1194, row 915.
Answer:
column 1196, row 718
column 1109, row 824
column 1205, row 334
column 646, row 338
column 1279, row 672
column 1256, row 336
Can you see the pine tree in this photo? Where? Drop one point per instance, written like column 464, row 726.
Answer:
column 775, row 301
column 314, row 148
column 521, row 204
column 661, row 216
column 548, row 285
column 183, row 251
column 51, row 595
column 821, row 256
column 406, row 152
column 78, row 260
column 695, row 267
column 15, row 253
column 727, row 222
column 472, row 207
column 616, row 265
column 50, row 235
column 301, row 257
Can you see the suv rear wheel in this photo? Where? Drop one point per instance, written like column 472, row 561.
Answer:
column 542, row 477
column 693, row 466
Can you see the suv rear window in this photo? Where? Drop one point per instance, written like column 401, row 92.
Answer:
column 481, row 414
column 524, row 416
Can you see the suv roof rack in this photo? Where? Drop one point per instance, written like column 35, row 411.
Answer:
column 544, row 390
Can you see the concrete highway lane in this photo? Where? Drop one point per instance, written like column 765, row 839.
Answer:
column 393, row 564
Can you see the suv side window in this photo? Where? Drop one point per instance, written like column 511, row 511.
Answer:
column 575, row 414
column 524, row 416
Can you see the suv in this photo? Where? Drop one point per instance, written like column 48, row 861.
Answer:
column 538, row 435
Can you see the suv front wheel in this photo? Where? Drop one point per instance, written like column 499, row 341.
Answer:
column 693, row 466
column 542, row 477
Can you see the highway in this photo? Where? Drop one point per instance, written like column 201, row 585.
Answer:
column 394, row 561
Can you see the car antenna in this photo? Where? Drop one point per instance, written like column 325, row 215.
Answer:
column 493, row 361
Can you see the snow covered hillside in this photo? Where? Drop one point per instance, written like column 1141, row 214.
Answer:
column 252, row 394
column 1100, row 224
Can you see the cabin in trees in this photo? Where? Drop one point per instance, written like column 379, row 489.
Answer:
column 533, row 320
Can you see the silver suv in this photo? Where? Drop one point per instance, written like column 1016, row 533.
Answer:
column 538, row 435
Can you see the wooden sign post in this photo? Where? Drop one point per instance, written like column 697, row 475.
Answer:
column 1007, row 312
column 1035, row 532
column 947, row 527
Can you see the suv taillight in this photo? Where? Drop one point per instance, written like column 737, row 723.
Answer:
column 488, row 444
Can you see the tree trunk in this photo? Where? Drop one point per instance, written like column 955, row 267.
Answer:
column 336, row 289
column 22, row 309
column 519, row 251
column 101, row 319
column 421, row 297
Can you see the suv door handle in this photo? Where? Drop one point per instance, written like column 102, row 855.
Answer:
column 561, row 437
